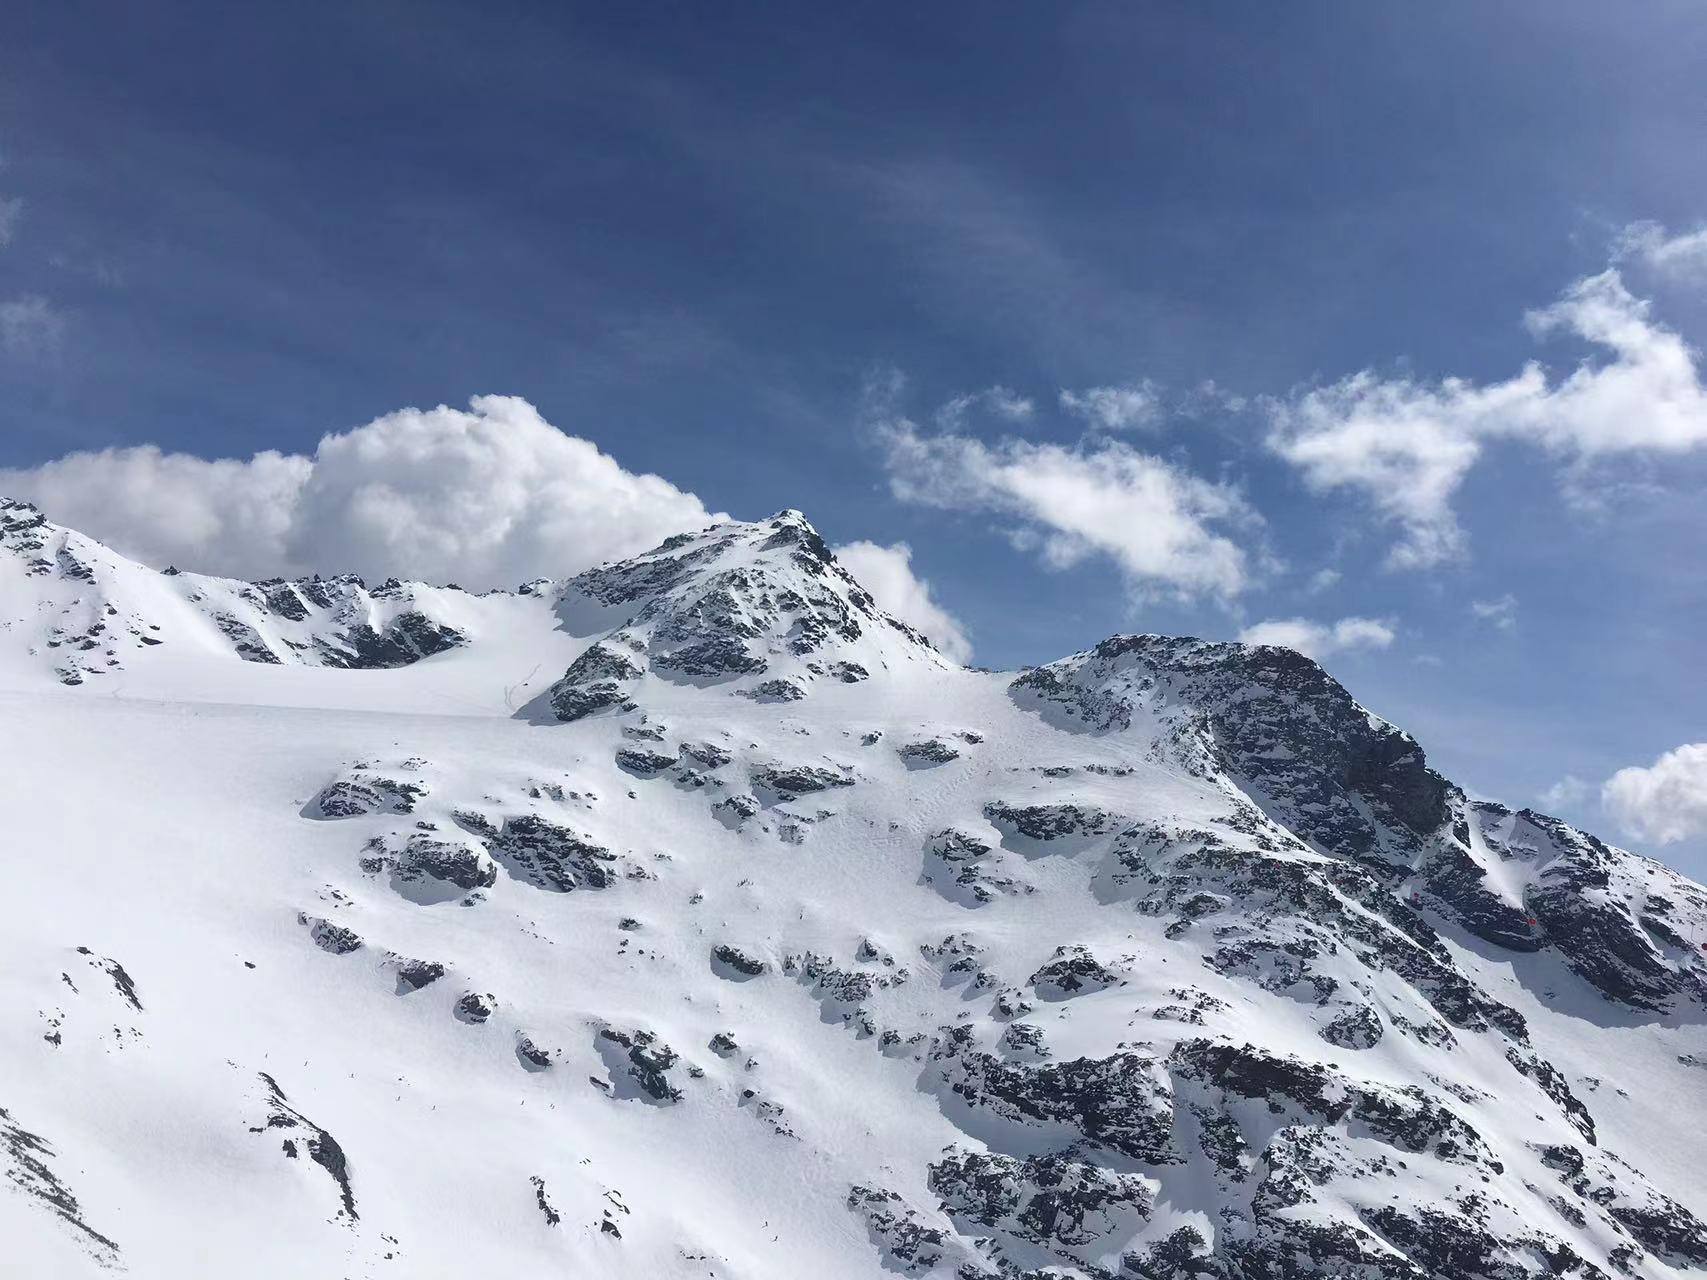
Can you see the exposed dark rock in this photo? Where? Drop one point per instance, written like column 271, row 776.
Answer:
column 906, row 1244
column 412, row 975
column 732, row 962
column 408, row 638
column 363, row 793
column 550, row 857
column 642, row 763
column 26, row 1158
column 1359, row 1027
column 777, row 691
column 644, row 1059
column 333, row 938
column 597, row 679
column 931, row 751
column 1054, row 1201
column 1554, row 1085
column 716, row 657
column 966, row 870
column 429, row 857
column 1122, row 1101
column 475, row 1007
column 1072, row 971
column 793, row 780
column 552, row 1217
column 530, row 1055
column 1048, row 821
column 323, row 1148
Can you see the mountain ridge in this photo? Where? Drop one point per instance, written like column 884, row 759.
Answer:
column 1166, row 958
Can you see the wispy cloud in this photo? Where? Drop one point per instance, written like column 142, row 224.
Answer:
column 1118, row 408
column 1405, row 446
column 1567, row 793
column 1165, row 528
column 1500, row 613
column 998, row 401
column 30, row 325
column 1683, row 256
column 1320, row 639
column 11, row 210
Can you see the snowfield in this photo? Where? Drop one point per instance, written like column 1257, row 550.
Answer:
column 693, row 918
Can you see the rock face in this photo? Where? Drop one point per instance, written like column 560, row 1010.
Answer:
column 763, row 609
column 763, row 941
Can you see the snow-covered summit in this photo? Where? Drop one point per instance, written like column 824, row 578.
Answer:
column 763, row 608
column 76, row 609
column 691, row 917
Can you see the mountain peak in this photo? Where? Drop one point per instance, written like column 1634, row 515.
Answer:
column 1166, row 959
column 763, row 608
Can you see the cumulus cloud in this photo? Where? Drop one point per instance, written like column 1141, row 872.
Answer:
column 30, row 325
column 1318, row 639
column 1116, row 408
column 1664, row 802
column 490, row 495
column 1500, row 613
column 887, row 572
column 1683, row 256
column 1405, row 446
column 1157, row 522
column 1008, row 405
column 225, row 516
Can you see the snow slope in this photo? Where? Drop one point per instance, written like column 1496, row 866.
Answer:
column 693, row 918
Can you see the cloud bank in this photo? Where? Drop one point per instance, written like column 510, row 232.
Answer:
column 1664, row 802
column 887, row 572
column 488, row 496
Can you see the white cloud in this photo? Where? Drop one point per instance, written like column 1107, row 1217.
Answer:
column 1137, row 404
column 1008, row 405
column 226, row 516
column 1683, row 256
column 1568, row 792
column 1665, row 802
column 491, row 495
column 11, row 209
column 1156, row 521
column 1320, row 640
column 1209, row 397
column 887, row 572
column 30, row 325
column 1407, row 445
column 1500, row 613
column 1322, row 580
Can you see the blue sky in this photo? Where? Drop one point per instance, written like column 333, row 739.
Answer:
column 780, row 257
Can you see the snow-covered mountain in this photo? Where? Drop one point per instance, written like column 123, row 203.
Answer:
column 693, row 918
